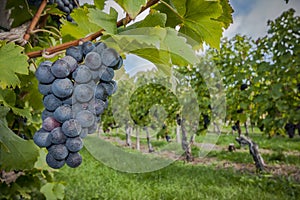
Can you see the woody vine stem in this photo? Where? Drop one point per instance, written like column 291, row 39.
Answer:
column 55, row 49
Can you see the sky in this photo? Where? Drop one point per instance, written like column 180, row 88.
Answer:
column 250, row 16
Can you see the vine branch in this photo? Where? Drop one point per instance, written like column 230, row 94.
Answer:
column 35, row 20
column 93, row 36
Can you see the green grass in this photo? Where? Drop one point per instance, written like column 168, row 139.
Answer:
column 93, row 180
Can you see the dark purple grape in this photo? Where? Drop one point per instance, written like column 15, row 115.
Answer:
column 62, row 88
column 63, row 113
column 60, row 69
column 41, row 138
column 87, row 47
column 43, row 73
column 100, row 92
column 50, row 123
column 74, row 160
column 57, row 136
column 82, row 74
column 75, row 52
column 58, row 151
column 74, row 144
column 93, row 60
column 110, row 57
column 52, row 162
column 83, row 93
column 85, row 118
column 71, row 62
column 106, row 74
column 99, row 47
column 71, row 128
column 51, row 102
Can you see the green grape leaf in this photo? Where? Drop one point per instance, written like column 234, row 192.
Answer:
column 104, row 20
column 12, row 62
column 16, row 153
column 151, row 20
column 201, row 20
column 156, row 45
column 99, row 4
column 132, row 7
column 53, row 190
column 226, row 16
column 83, row 26
column 8, row 99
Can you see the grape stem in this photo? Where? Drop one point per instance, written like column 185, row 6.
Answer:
column 34, row 21
column 93, row 36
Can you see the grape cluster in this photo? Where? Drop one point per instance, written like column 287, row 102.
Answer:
column 65, row 6
column 76, row 90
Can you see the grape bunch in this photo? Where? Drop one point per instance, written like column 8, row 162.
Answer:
column 65, row 6
column 76, row 90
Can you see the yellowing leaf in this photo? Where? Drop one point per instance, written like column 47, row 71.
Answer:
column 12, row 62
column 132, row 7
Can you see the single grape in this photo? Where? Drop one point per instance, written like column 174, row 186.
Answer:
column 71, row 128
column 44, row 89
column 63, row 113
column 74, row 160
column 109, row 88
column 41, row 138
column 58, row 151
column 100, row 92
column 74, row 144
column 85, row 118
column 60, row 69
column 82, row 74
column 106, row 74
column 87, row 47
column 52, row 162
column 75, row 52
column 50, row 123
column 93, row 60
column 57, row 136
column 110, row 57
column 83, row 93
column 99, row 47
column 46, row 113
column 118, row 65
column 43, row 73
column 51, row 102
column 62, row 88
column 97, row 107
column 72, row 62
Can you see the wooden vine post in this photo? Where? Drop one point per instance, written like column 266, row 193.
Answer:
column 253, row 149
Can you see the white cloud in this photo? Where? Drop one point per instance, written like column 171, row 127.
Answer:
column 254, row 23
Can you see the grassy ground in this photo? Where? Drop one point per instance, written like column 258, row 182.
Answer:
column 93, row 180
column 197, row 180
